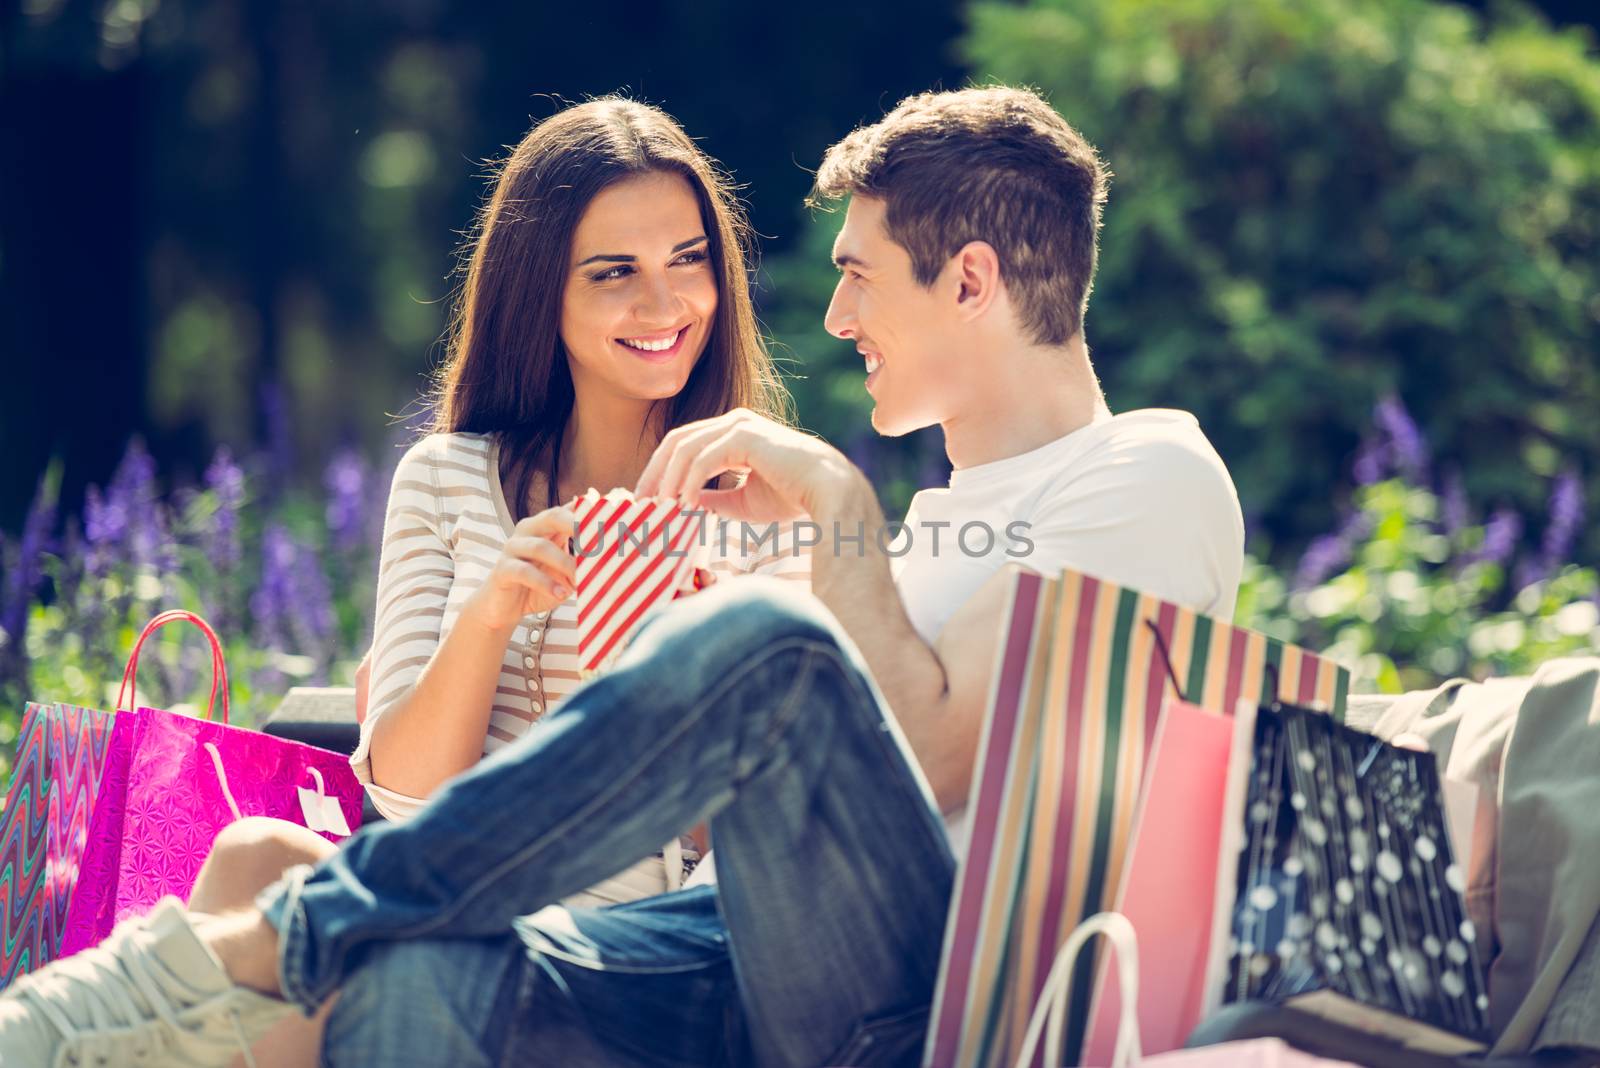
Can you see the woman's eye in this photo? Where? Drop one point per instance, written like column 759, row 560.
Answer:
column 697, row 256
column 611, row 274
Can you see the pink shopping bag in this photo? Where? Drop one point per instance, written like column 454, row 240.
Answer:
column 1173, row 877
column 172, row 782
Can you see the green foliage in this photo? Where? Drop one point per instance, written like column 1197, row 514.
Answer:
column 1318, row 203
column 288, row 582
column 1419, row 603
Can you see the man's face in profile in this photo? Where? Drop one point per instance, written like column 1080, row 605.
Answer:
column 898, row 326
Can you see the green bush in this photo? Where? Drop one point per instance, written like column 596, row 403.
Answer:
column 1316, row 204
column 1416, row 602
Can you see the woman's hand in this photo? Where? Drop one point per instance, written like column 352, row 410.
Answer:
column 535, row 572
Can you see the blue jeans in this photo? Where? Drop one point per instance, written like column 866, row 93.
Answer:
column 746, row 704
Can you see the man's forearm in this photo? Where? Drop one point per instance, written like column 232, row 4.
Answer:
column 856, row 585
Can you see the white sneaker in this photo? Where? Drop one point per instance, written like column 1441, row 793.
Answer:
column 151, row 994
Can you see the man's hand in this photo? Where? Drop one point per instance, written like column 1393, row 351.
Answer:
column 791, row 474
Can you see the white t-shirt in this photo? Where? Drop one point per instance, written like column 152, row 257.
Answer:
column 1140, row 499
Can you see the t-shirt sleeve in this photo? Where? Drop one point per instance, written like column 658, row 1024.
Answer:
column 415, row 570
column 1160, row 516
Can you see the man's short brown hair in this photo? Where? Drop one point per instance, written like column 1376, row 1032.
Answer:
column 993, row 164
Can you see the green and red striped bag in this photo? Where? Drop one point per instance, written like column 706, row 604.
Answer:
column 1072, row 713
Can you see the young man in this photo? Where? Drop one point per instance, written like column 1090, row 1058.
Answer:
column 823, row 736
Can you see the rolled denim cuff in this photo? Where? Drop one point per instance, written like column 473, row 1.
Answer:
column 280, row 904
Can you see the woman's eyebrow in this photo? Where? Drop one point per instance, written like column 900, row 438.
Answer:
column 611, row 258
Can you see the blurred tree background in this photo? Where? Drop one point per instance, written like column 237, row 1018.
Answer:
column 1317, row 204
column 1358, row 238
column 234, row 222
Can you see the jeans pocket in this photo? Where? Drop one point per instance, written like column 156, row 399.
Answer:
column 888, row 1040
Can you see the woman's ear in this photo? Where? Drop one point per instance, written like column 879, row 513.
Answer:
column 977, row 278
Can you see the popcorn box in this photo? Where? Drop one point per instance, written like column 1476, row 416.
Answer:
column 633, row 553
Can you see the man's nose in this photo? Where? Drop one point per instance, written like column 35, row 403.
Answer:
column 840, row 320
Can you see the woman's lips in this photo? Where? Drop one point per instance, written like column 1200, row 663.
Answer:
column 659, row 355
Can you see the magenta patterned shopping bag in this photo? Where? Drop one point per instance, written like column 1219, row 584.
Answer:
column 172, row 783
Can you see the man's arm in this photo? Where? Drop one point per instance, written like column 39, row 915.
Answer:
column 937, row 693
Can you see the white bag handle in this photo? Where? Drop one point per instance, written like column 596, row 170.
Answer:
column 222, row 779
column 1051, row 1011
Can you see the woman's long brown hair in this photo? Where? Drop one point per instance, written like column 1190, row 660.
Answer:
column 505, row 371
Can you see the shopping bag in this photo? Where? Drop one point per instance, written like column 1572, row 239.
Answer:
column 1285, row 858
column 1050, row 1013
column 1349, row 900
column 173, row 782
column 633, row 554
column 1077, row 694
column 61, row 753
column 1174, row 878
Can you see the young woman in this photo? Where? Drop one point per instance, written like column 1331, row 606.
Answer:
column 605, row 302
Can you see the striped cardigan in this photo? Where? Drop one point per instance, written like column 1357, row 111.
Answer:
column 446, row 523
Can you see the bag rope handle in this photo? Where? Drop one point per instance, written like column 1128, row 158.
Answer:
column 219, row 669
column 1050, row 1013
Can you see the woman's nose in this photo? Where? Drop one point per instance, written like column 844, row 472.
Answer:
column 659, row 302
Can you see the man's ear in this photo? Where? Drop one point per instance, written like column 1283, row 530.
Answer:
column 976, row 271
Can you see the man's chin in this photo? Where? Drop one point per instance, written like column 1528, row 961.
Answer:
column 889, row 425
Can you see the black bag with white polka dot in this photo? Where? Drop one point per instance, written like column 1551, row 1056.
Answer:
column 1346, row 880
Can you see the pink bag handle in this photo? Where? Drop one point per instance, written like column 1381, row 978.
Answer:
column 219, row 670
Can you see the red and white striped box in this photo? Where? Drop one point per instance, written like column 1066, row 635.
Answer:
column 633, row 554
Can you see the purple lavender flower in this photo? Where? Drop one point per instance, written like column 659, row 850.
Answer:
column 274, row 597
column 1372, row 463
column 134, row 487
column 105, row 530
column 1326, row 554
column 293, row 606
column 224, row 480
column 1409, row 448
column 1329, row 552
column 1566, row 516
column 22, row 578
column 1500, row 536
column 349, row 484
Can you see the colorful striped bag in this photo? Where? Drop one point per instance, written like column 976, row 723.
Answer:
column 65, row 761
column 1072, row 713
column 61, row 755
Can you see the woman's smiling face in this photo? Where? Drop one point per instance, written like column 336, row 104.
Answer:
column 641, row 295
